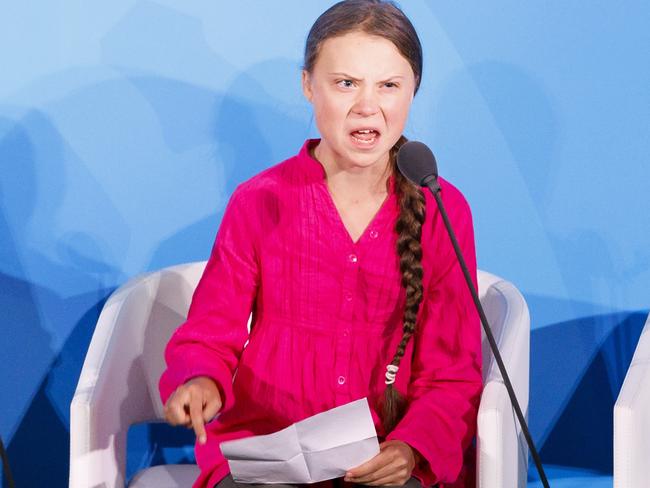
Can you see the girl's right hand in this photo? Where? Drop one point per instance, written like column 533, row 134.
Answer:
column 193, row 404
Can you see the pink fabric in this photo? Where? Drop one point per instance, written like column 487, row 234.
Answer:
column 327, row 318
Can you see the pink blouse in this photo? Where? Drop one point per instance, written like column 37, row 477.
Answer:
column 327, row 319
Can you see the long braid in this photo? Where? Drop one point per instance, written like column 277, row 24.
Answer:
column 409, row 250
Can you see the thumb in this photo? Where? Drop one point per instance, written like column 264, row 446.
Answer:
column 212, row 407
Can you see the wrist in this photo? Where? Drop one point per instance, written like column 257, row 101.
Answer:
column 417, row 457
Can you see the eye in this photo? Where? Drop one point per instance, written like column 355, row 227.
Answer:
column 345, row 83
column 391, row 84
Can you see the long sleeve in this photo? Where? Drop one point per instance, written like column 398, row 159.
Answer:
column 445, row 384
column 210, row 341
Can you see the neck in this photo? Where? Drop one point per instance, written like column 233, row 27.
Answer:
column 371, row 181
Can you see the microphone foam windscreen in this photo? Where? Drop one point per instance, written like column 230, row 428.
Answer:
column 416, row 161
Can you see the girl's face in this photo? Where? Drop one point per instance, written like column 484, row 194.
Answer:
column 358, row 83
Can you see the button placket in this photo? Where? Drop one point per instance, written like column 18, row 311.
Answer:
column 343, row 339
column 350, row 278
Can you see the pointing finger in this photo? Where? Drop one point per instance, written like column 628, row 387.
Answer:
column 196, row 414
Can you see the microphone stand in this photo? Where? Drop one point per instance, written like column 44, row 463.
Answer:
column 5, row 465
column 431, row 182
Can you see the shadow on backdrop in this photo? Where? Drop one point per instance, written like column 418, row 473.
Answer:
column 40, row 447
column 41, row 299
column 581, row 434
column 249, row 135
column 49, row 373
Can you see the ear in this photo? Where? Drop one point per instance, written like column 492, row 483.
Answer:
column 306, row 85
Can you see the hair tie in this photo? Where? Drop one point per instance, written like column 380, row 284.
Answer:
column 390, row 373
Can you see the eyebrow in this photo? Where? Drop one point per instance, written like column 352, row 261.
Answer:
column 350, row 77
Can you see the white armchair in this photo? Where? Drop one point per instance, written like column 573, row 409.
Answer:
column 632, row 420
column 118, row 386
column 502, row 450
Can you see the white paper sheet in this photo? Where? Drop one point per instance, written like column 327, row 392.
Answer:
column 317, row 448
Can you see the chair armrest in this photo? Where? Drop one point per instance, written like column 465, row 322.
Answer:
column 109, row 395
column 632, row 420
column 501, row 441
column 502, row 451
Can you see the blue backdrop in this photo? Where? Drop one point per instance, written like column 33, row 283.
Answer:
column 125, row 126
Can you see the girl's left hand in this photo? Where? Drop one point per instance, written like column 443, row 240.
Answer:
column 392, row 466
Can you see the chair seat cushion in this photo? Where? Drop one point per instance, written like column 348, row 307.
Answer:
column 167, row 476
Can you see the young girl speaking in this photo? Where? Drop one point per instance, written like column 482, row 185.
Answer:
column 350, row 276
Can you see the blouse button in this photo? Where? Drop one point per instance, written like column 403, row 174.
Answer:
column 348, row 296
column 374, row 234
column 353, row 258
column 341, row 380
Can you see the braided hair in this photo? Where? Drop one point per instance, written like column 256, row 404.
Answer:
column 409, row 249
column 385, row 19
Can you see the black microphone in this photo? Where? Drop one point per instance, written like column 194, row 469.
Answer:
column 417, row 163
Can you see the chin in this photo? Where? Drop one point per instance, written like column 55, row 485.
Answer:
column 364, row 158
column 368, row 159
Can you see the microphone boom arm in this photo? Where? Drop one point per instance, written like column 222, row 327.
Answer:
column 431, row 182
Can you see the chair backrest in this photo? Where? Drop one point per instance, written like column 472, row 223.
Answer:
column 169, row 307
column 505, row 307
column 171, row 290
column 118, row 385
column 495, row 308
column 631, row 419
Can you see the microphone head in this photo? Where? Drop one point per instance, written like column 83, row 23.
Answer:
column 416, row 162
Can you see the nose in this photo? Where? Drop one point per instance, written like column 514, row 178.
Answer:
column 367, row 102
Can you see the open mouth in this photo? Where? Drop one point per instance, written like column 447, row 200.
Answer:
column 365, row 137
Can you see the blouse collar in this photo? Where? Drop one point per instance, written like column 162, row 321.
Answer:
column 313, row 170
